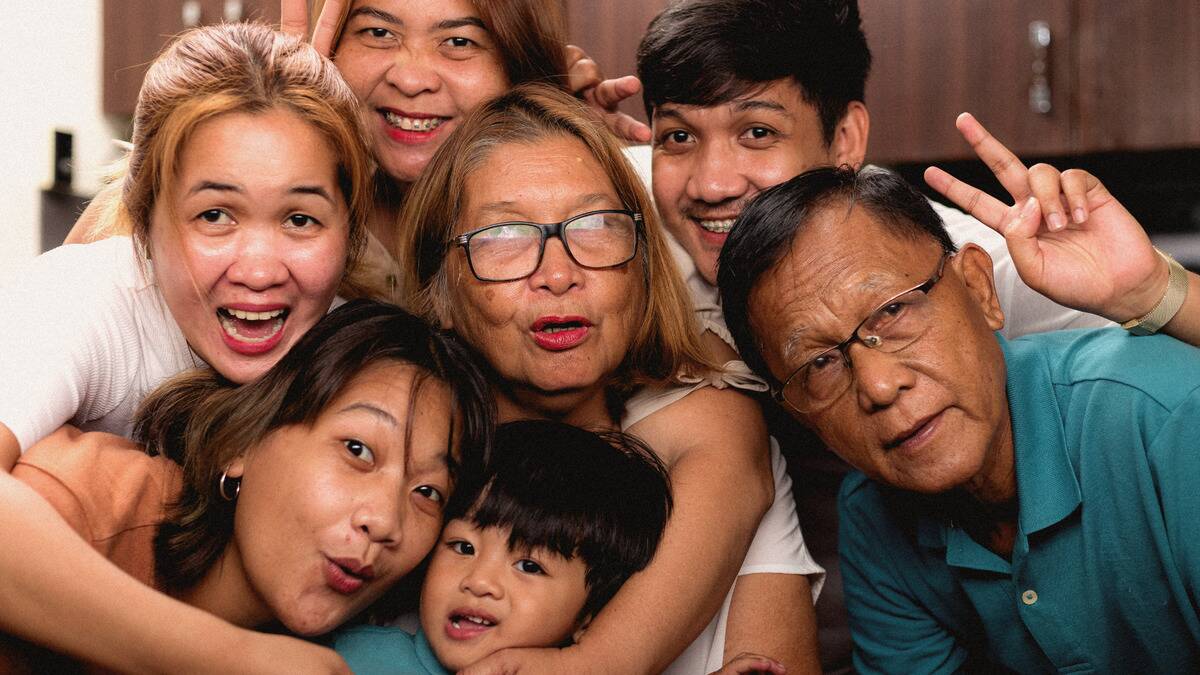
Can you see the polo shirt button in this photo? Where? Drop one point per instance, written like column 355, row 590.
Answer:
column 1029, row 597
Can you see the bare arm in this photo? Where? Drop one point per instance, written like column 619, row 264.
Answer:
column 773, row 614
column 83, row 605
column 715, row 444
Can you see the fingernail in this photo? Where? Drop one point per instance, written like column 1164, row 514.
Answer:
column 1080, row 215
column 1057, row 221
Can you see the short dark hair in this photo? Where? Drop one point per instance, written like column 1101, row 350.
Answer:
column 765, row 230
column 604, row 497
column 201, row 421
column 709, row 52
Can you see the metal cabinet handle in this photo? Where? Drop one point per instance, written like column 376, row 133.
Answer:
column 1039, row 87
column 191, row 13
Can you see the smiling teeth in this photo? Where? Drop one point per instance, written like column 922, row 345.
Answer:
column 717, row 226
column 413, row 123
column 254, row 316
column 473, row 619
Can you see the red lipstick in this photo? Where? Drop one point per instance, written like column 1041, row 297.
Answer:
column 559, row 333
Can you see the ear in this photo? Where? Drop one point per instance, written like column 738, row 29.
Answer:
column 849, row 144
column 236, row 468
column 974, row 267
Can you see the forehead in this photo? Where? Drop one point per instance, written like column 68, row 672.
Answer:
column 839, row 267
column 385, row 392
column 544, row 180
column 275, row 148
column 783, row 98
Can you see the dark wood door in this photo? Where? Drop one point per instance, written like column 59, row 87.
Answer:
column 1139, row 73
column 936, row 58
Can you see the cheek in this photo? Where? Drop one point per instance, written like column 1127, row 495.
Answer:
column 474, row 82
column 318, row 269
column 359, row 70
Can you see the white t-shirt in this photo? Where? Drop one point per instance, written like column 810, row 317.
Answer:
column 86, row 337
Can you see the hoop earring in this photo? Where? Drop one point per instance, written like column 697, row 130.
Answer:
column 223, row 486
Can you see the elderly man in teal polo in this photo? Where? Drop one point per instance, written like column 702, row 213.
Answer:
column 1030, row 504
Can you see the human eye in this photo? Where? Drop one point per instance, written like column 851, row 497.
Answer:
column 301, row 221
column 675, row 139
column 430, row 492
column 215, row 217
column 461, row 547
column 376, row 36
column 825, row 362
column 359, row 449
column 459, row 42
column 758, row 135
column 528, row 566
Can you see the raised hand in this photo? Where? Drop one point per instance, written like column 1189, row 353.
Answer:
column 584, row 78
column 293, row 20
column 1070, row 240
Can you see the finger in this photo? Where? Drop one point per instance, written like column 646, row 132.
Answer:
column 573, row 53
column 583, row 75
column 628, row 128
column 1075, row 186
column 326, row 28
column 1006, row 166
column 984, row 207
column 293, row 17
column 609, row 93
column 1046, row 186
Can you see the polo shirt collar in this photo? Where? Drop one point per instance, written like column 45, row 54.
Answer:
column 1047, row 489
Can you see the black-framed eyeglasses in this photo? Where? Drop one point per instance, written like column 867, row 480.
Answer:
column 513, row 250
column 895, row 324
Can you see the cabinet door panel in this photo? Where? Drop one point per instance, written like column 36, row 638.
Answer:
column 1139, row 66
column 936, row 58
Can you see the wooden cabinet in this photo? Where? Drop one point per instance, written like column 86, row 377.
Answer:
column 135, row 31
column 1048, row 77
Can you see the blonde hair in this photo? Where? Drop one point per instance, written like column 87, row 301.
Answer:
column 235, row 68
column 530, row 37
column 666, row 343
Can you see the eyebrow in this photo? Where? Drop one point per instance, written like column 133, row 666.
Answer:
column 749, row 104
column 316, row 190
column 375, row 13
column 377, row 412
column 461, row 22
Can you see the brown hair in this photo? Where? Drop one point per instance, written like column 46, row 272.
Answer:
column 202, row 422
column 228, row 68
column 666, row 342
column 530, row 36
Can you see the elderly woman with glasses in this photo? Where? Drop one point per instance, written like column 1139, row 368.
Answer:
column 531, row 236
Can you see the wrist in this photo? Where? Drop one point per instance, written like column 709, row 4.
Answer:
column 1168, row 297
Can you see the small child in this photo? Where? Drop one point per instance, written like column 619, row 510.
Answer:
column 530, row 552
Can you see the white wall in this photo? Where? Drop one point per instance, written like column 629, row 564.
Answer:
column 50, row 67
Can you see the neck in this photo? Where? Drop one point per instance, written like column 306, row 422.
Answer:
column 385, row 212
column 225, row 592
column 580, row 408
column 996, row 482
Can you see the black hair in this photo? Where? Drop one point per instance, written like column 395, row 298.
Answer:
column 764, row 232
column 201, row 421
column 604, row 497
column 709, row 52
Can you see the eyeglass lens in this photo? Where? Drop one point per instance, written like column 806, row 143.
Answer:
column 895, row 325
column 513, row 250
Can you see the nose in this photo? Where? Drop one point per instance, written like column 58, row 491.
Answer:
column 380, row 516
column 258, row 262
column 481, row 578
column 412, row 73
column 717, row 175
column 879, row 377
column 557, row 272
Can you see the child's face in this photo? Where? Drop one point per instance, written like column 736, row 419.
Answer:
column 480, row 596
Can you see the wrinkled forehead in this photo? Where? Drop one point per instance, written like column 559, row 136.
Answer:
column 838, row 268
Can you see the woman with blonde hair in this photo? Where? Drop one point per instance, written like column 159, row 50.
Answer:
column 247, row 192
column 531, row 236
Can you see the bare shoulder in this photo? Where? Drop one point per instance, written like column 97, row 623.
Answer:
column 706, row 419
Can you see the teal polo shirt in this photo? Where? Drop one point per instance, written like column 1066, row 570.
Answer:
column 1105, row 570
column 378, row 650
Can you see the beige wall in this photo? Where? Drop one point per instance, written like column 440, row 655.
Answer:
column 50, row 78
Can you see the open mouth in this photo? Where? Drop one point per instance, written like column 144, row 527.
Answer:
column 417, row 124
column 458, row 620
column 557, row 333
column 251, row 328
column 722, row 226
